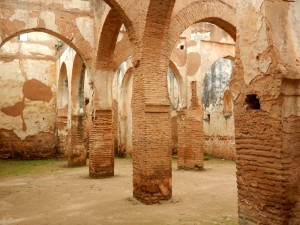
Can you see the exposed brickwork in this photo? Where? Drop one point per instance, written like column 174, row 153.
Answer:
column 291, row 159
column 150, row 104
column 76, row 143
column 101, row 151
column 174, row 145
column 40, row 146
column 152, row 166
column 266, row 128
column 190, row 134
column 62, row 139
column 220, row 146
column 190, row 139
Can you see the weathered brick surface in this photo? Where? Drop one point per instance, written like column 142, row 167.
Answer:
column 267, row 137
column 40, row 146
column 174, row 135
column 190, row 139
column 101, row 151
column 150, row 104
column 62, row 140
column 76, row 142
column 152, row 178
column 220, row 146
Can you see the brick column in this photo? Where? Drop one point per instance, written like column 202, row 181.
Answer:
column 190, row 134
column 101, row 163
column 76, row 145
column 152, row 164
column 190, row 139
column 152, row 167
column 61, row 124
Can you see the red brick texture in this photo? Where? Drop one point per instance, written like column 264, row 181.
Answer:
column 101, row 151
column 62, row 140
column 190, row 139
column 151, row 106
column 40, row 146
column 267, row 153
column 76, row 142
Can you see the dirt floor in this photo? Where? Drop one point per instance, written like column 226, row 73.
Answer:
column 60, row 195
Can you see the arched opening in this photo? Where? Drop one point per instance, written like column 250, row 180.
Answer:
column 62, row 110
column 197, row 49
column 174, row 90
column 125, row 114
column 63, row 91
column 218, row 110
column 121, row 94
column 40, row 83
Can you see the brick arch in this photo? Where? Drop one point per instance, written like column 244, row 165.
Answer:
column 108, row 40
column 124, row 10
column 123, row 51
column 74, row 39
column 215, row 12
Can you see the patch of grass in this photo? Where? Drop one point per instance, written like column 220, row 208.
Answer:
column 18, row 168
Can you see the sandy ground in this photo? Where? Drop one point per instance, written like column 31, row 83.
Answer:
column 68, row 196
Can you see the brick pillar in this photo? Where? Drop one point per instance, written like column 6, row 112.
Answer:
column 152, row 164
column 190, row 134
column 62, row 134
column 101, row 161
column 174, row 128
column 190, row 139
column 76, row 145
column 266, row 113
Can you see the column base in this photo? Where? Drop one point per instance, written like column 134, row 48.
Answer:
column 151, row 191
column 106, row 172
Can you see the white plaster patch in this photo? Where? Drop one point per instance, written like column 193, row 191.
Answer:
column 40, row 37
column 10, row 48
column 11, row 84
column 10, row 122
column 77, row 4
column 86, row 28
column 23, row 15
column 39, row 70
column 264, row 64
column 31, row 49
column 257, row 4
column 49, row 19
column 294, row 24
column 253, row 39
column 39, row 117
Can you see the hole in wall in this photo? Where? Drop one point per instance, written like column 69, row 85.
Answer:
column 207, row 118
column 181, row 47
column 252, row 102
column 86, row 101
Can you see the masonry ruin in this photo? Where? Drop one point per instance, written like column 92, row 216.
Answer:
column 91, row 80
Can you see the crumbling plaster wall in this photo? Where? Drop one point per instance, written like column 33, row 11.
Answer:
column 28, row 99
column 267, row 137
column 69, row 20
